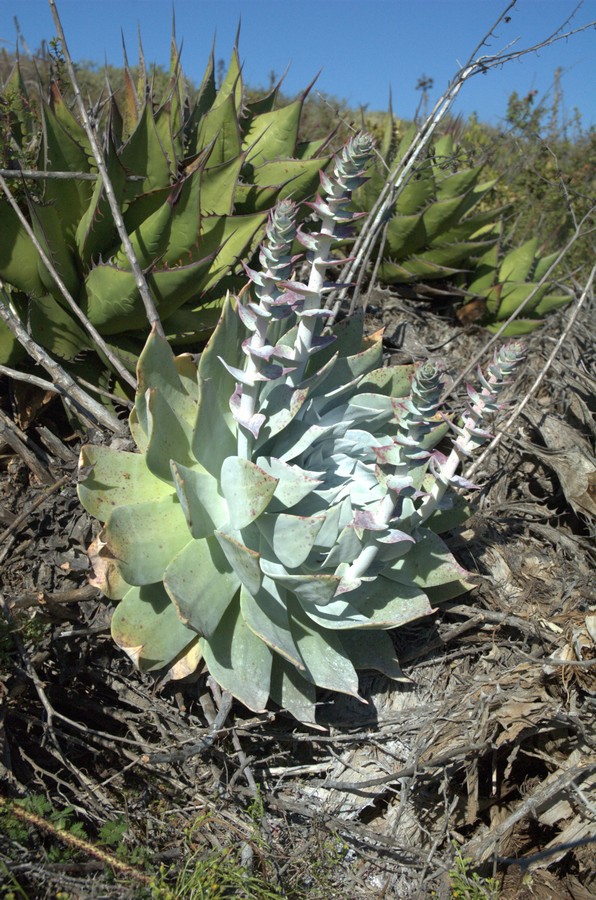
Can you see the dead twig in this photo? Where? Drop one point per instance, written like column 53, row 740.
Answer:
column 74, row 841
column 497, row 335
column 481, row 848
column 28, row 599
column 476, row 64
column 523, row 403
column 41, row 175
column 63, row 384
column 140, row 280
column 77, row 311
column 25, row 448
column 201, row 746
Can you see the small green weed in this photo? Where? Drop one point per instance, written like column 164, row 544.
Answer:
column 255, row 808
column 468, row 885
column 213, row 877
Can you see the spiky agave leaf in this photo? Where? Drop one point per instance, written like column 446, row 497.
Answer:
column 436, row 226
column 194, row 180
column 505, row 281
column 279, row 520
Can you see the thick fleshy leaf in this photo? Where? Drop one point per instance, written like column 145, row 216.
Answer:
column 372, row 650
column 204, row 507
column 202, row 584
column 106, row 572
column 290, row 537
column 146, row 626
column 220, row 126
column 273, row 135
column 247, row 489
column 393, row 381
column 112, row 302
column 265, row 612
column 56, row 329
column 243, row 560
column 428, row 564
column 48, row 229
column 453, row 511
column 298, row 438
column 96, row 233
column 516, row 328
column 116, row 478
column 317, row 590
column 337, row 615
column 550, row 303
column 18, row 256
column 169, row 437
column 228, row 239
column 388, row 604
column 280, row 405
column 64, row 153
column 157, row 370
column 143, row 155
column 513, row 295
column 517, row 264
column 145, row 537
column 218, row 188
column 292, row 177
column 238, row 660
column 292, row 692
column 327, row 663
column 149, row 240
column 213, row 439
column 293, row 483
column 350, row 367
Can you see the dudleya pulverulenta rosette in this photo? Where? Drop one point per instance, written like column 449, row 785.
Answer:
column 282, row 512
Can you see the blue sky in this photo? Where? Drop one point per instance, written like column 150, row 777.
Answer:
column 362, row 46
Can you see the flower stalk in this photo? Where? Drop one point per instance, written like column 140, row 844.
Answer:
column 348, row 175
column 471, row 433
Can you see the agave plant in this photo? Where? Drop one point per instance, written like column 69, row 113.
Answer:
column 503, row 282
column 438, row 222
column 195, row 182
column 282, row 513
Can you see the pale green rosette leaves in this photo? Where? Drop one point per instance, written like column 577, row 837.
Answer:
column 282, row 514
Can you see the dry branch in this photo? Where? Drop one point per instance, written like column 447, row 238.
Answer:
column 92, row 331
column 140, row 280
column 523, row 403
column 62, row 384
column 404, row 170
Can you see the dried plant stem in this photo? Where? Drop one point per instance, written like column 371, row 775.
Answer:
column 31, row 455
column 63, row 384
column 74, row 841
column 495, row 337
column 140, row 280
column 28, row 379
column 403, row 171
column 405, row 168
column 523, row 403
column 482, row 846
column 41, row 175
column 94, row 334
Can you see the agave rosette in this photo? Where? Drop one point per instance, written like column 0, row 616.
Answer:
column 194, row 180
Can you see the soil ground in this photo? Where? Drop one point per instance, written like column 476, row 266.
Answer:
column 475, row 778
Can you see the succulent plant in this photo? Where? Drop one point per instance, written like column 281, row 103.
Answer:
column 195, row 182
column 438, row 222
column 282, row 513
column 501, row 282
